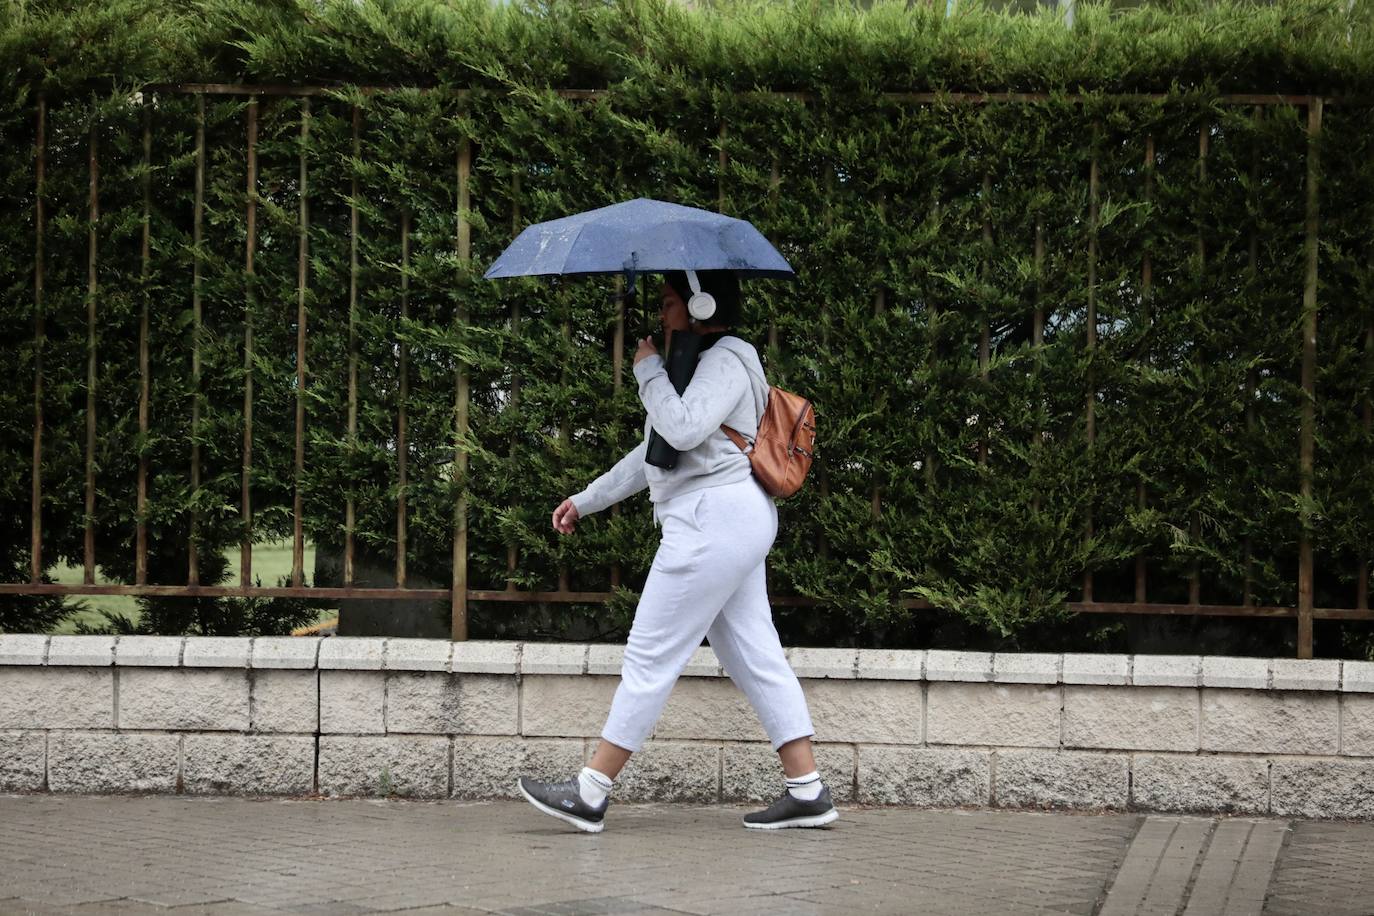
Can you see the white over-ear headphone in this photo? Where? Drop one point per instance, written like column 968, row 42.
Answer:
column 702, row 305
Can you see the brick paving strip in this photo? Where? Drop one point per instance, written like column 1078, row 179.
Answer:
column 1197, row 866
column 231, row 855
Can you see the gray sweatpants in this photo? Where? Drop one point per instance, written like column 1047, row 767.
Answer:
column 707, row 579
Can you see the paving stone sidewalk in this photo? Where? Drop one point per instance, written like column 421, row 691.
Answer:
column 229, row 855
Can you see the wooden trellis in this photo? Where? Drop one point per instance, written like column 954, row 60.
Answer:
column 460, row 592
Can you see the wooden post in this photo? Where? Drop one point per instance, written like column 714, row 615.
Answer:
column 933, row 331
column 1307, row 443
column 720, row 174
column 145, row 257
column 1362, row 577
column 1252, row 271
column 512, row 550
column 879, row 306
column 823, row 542
column 774, row 188
column 1090, row 415
column 250, row 248
column 1146, row 283
column 197, row 219
column 1038, row 332
column 618, row 371
column 403, row 396
column 39, row 337
column 460, row 457
column 350, row 506
column 302, row 264
column 91, row 287
column 984, row 340
column 565, row 436
column 1195, row 521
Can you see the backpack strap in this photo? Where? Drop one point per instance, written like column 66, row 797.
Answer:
column 744, row 444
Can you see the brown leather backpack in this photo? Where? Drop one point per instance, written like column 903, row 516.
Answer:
column 786, row 443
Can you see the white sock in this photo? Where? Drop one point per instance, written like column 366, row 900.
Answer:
column 806, row 787
column 594, row 786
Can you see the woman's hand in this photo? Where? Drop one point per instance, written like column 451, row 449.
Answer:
column 565, row 517
column 646, row 348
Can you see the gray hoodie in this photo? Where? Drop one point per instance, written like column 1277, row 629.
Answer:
column 728, row 387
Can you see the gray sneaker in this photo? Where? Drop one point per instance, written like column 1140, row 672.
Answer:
column 793, row 812
column 563, row 800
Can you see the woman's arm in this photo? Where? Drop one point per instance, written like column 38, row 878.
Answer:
column 685, row 422
column 626, row 478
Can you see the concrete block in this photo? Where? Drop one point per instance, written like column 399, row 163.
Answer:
column 1305, row 674
column 401, row 765
column 248, row 764
column 553, row 658
column 149, row 651
column 417, row 654
column 706, row 708
column 1357, row 725
column 1026, row 667
column 820, row 663
column 439, row 703
column 285, row 700
column 604, row 658
column 751, row 771
column 924, row 777
column 490, row 767
column 199, row 699
column 1269, row 721
column 1322, row 788
column 353, row 653
column 112, row 762
column 566, row 706
column 1093, row 668
column 892, row 664
column 23, row 761
column 217, row 652
column 67, row 698
column 1055, row 779
column 1166, row 671
column 1228, row 671
column 944, row 665
column 872, row 712
column 1206, row 783
column 671, row 771
column 86, row 651
column 351, row 702
column 703, row 663
column 23, row 648
column 1131, row 718
column 485, row 657
column 1006, row 715
column 1357, row 677
column 286, row 651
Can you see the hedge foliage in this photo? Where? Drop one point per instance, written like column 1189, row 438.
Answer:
column 912, row 226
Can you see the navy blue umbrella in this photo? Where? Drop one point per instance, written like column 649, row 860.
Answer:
column 644, row 236
column 640, row 236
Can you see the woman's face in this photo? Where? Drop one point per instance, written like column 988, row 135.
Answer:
column 673, row 311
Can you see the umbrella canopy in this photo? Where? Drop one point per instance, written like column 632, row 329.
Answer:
column 640, row 236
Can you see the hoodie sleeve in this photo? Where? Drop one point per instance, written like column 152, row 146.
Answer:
column 625, row 479
column 685, row 422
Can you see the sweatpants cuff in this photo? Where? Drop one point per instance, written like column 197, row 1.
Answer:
column 805, row 734
column 633, row 747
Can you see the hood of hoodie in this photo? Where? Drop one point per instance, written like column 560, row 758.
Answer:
column 752, row 364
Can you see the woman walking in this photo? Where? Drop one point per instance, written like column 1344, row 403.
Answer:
column 707, row 578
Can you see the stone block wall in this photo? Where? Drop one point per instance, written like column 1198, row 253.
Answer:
column 429, row 718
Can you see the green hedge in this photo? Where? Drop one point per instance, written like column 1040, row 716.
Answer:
column 873, row 194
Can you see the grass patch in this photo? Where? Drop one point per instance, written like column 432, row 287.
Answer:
column 271, row 562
